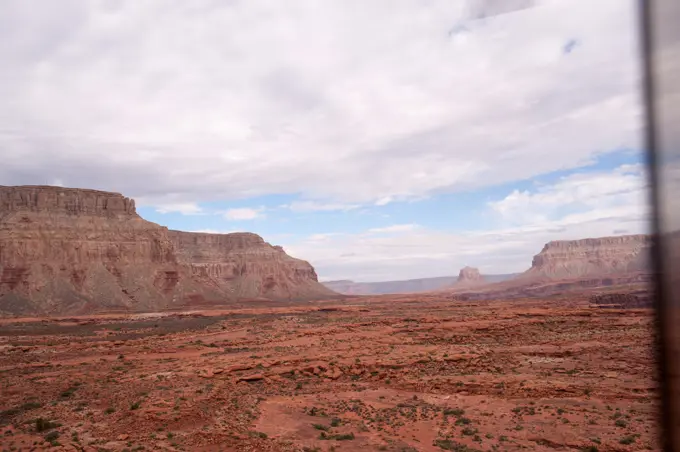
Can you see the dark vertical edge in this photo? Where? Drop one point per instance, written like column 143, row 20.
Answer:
column 663, row 350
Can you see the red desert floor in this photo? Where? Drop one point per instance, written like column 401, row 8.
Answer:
column 382, row 374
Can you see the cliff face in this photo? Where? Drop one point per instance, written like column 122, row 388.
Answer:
column 246, row 266
column 591, row 257
column 66, row 250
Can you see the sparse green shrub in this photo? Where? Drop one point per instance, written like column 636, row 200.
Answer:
column 51, row 436
column 627, row 440
column 463, row 421
column 42, row 425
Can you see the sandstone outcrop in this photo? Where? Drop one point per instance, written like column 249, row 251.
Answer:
column 469, row 276
column 246, row 266
column 66, row 250
column 591, row 257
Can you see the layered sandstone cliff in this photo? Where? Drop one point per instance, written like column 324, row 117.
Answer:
column 66, row 250
column 591, row 257
column 246, row 266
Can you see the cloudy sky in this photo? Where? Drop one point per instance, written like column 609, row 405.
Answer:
column 381, row 139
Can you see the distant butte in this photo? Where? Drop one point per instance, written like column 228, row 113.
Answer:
column 469, row 276
column 67, row 251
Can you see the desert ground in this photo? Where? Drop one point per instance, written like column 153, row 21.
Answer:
column 389, row 373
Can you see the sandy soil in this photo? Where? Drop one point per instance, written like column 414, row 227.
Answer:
column 389, row 373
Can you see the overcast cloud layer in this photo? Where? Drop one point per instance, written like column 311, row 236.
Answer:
column 343, row 104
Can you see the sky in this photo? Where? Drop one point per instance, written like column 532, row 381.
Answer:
column 381, row 140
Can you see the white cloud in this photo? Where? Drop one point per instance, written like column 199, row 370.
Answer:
column 185, row 208
column 383, row 201
column 395, row 228
column 341, row 102
column 315, row 206
column 623, row 188
column 323, row 236
column 244, row 213
column 579, row 206
column 215, row 231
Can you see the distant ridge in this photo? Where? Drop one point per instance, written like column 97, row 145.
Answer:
column 348, row 287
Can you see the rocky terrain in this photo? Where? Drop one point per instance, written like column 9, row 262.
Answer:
column 68, row 250
column 392, row 373
column 622, row 300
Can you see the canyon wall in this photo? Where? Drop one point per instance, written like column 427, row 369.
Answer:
column 65, row 250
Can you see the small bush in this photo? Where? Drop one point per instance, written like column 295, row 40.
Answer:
column 135, row 406
column 110, row 410
column 30, row 406
column 620, row 423
column 454, row 412
column 68, row 393
column 447, row 444
column 325, row 428
column 339, row 437
column 627, row 440
column 42, row 425
column 51, row 436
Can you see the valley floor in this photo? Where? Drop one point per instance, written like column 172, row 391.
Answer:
column 393, row 374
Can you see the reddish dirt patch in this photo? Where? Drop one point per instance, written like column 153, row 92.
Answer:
column 397, row 374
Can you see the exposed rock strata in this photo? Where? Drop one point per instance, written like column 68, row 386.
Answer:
column 591, row 257
column 246, row 266
column 66, row 250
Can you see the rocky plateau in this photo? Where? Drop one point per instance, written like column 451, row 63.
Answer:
column 65, row 250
